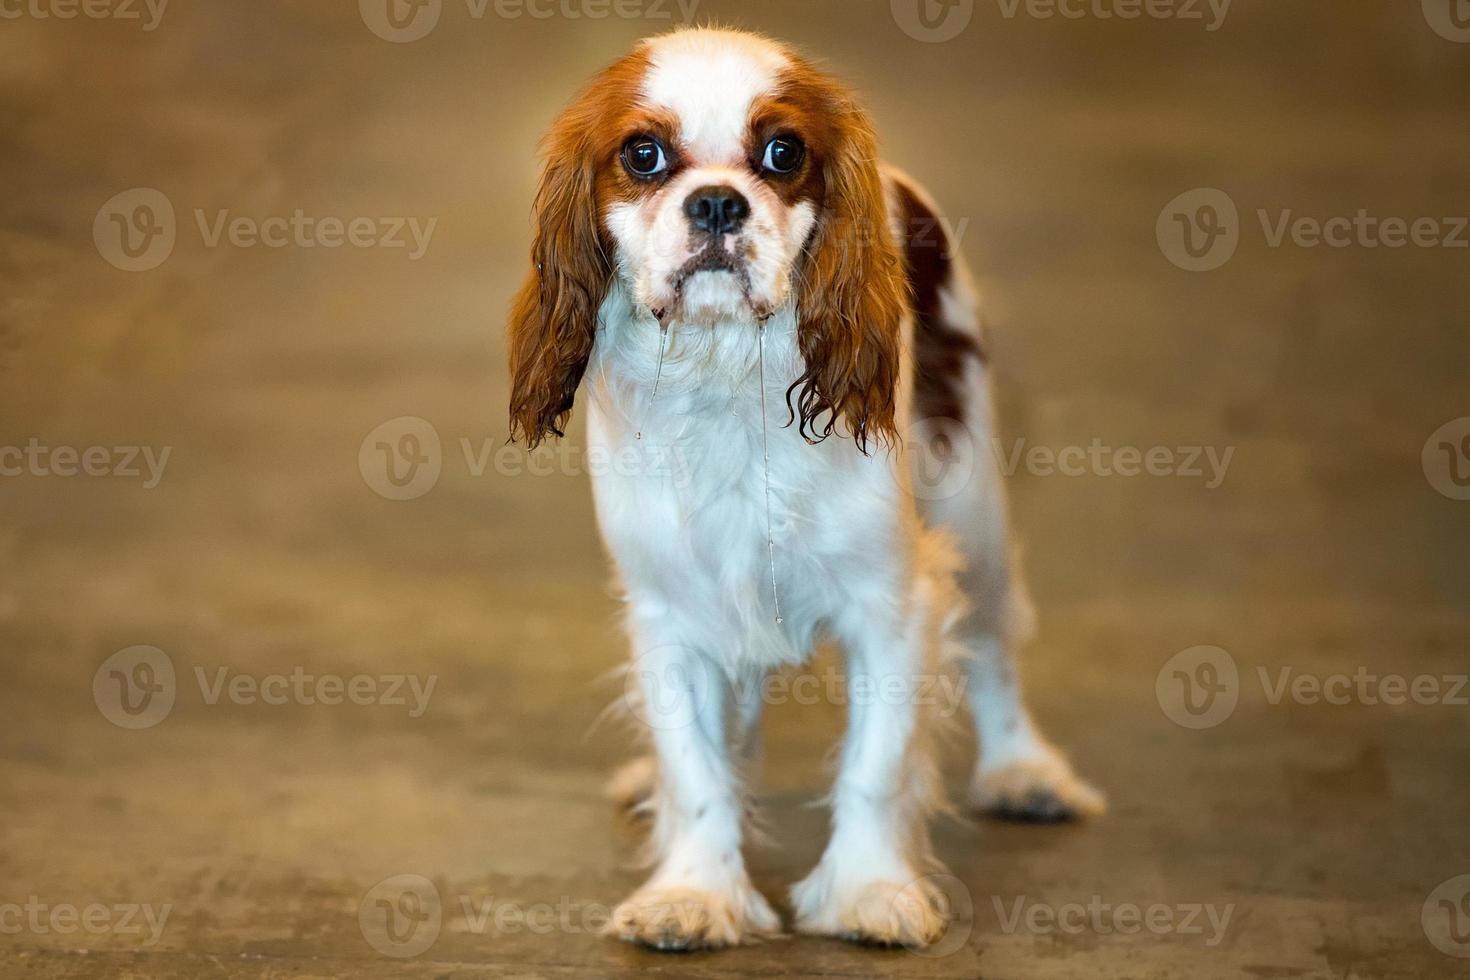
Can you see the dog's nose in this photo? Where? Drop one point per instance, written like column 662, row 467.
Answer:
column 718, row 209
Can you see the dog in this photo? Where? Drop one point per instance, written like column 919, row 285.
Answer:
column 723, row 266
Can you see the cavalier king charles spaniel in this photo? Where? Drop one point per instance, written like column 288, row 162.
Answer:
column 715, row 240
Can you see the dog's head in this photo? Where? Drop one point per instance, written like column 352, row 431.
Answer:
column 721, row 178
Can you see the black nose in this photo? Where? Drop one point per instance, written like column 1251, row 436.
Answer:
column 717, row 209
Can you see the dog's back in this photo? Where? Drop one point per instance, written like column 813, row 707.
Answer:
column 950, row 418
column 957, row 478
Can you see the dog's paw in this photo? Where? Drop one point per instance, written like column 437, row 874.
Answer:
column 632, row 785
column 677, row 919
column 1041, row 789
column 882, row 913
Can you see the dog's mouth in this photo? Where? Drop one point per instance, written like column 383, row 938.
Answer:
column 714, row 259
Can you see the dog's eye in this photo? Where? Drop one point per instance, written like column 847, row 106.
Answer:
column 783, row 154
column 644, row 157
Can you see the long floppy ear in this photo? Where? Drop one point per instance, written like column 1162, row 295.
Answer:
column 852, row 296
column 554, row 318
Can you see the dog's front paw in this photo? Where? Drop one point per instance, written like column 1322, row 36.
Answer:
column 1041, row 788
column 681, row 919
column 880, row 912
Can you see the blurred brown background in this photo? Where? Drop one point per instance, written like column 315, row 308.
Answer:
column 1053, row 144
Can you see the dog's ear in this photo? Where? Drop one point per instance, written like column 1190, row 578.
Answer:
column 554, row 318
column 852, row 295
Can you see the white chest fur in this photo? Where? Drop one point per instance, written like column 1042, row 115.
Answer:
column 683, row 508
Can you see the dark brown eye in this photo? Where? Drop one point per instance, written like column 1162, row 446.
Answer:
column 644, row 157
column 783, row 154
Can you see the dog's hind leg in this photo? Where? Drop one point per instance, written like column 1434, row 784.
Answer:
column 1019, row 775
column 957, row 477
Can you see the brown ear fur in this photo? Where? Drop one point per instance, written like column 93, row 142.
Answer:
column 853, row 293
column 554, row 317
column 553, row 320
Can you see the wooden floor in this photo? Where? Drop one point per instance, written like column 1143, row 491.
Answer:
column 1288, row 839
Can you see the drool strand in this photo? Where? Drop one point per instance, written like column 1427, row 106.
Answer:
column 766, row 457
column 658, row 372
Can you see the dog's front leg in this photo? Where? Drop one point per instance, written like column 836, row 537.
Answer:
column 700, row 895
column 870, row 884
column 633, row 784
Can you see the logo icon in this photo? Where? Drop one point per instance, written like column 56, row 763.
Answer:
column 1450, row 19
column 932, row 21
column 135, row 230
column 135, row 688
column 1199, row 687
column 948, row 896
column 401, row 915
column 669, row 687
column 1446, row 459
column 941, row 454
column 1199, row 230
column 401, row 459
column 400, row 21
column 1446, row 917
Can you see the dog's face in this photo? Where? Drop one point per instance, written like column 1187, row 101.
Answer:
column 718, row 180
column 721, row 178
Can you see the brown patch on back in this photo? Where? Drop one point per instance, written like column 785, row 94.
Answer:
column 942, row 350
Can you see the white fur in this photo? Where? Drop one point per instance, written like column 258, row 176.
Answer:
column 709, row 80
column 694, row 563
column 852, row 561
